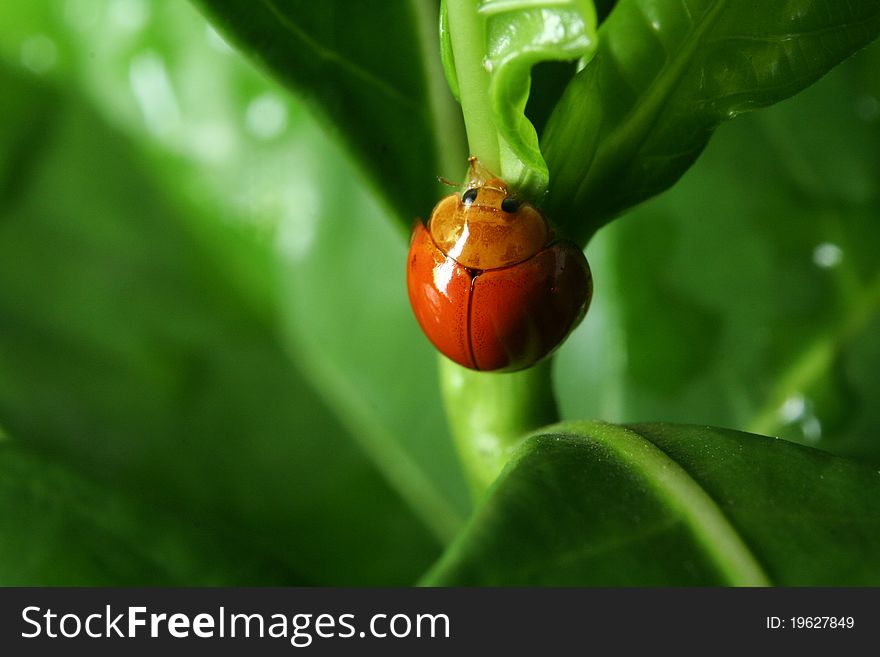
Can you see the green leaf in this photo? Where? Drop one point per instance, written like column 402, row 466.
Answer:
column 348, row 323
column 599, row 504
column 320, row 232
column 748, row 295
column 665, row 75
column 372, row 68
column 139, row 346
column 507, row 38
column 61, row 529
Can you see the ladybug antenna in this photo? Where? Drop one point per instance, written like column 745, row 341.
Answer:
column 480, row 176
column 446, row 181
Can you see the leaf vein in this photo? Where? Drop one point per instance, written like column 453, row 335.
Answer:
column 792, row 36
column 706, row 518
column 336, row 58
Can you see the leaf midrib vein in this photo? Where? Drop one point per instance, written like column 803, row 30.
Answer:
column 625, row 140
column 336, row 58
column 709, row 524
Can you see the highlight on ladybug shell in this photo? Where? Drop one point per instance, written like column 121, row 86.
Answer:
column 489, row 283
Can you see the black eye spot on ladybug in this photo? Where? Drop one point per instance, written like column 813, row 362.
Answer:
column 510, row 205
column 469, row 196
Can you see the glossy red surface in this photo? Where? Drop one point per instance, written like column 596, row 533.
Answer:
column 489, row 285
column 520, row 314
column 439, row 292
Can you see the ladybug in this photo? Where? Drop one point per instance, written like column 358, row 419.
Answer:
column 488, row 281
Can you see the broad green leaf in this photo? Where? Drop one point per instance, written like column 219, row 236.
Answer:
column 349, row 324
column 599, row 504
column 748, row 295
column 372, row 68
column 61, row 529
column 242, row 151
column 665, row 75
column 508, row 39
column 139, row 346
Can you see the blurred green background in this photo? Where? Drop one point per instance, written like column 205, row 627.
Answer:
column 209, row 372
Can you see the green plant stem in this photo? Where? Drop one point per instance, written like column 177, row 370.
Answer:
column 467, row 34
column 490, row 414
column 816, row 361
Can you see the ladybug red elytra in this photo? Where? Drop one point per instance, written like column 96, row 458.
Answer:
column 489, row 284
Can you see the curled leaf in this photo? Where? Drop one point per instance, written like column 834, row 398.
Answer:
column 517, row 35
